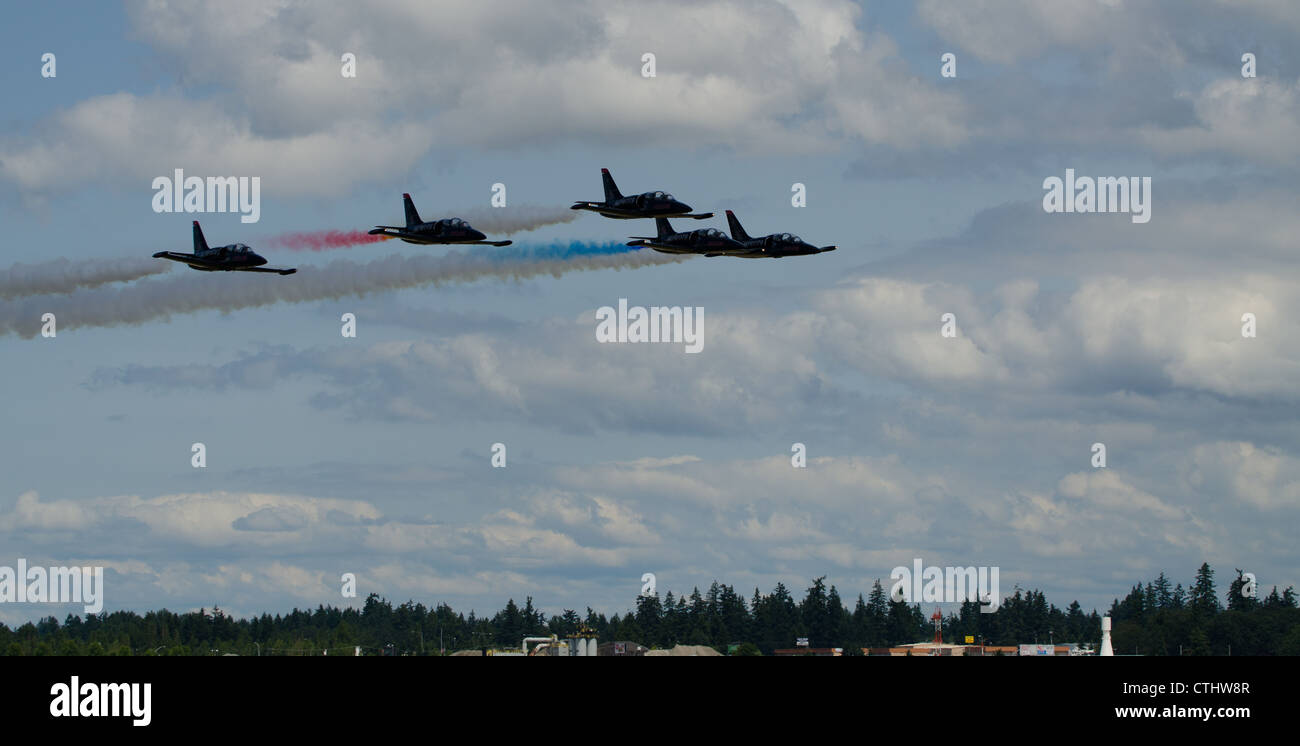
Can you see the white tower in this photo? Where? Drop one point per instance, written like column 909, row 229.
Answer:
column 1105, row 637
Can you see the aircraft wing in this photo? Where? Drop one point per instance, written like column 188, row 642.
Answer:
column 189, row 259
column 604, row 209
column 642, row 244
column 266, row 269
column 395, row 232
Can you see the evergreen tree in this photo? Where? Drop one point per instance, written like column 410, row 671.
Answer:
column 1203, row 598
column 877, row 614
column 1161, row 595
column 649, row 620
column 1237, row 600
column 815, row 614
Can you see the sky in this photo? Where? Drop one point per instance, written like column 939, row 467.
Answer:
column 372, row 454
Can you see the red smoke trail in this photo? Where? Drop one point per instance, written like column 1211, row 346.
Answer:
column 323, row 240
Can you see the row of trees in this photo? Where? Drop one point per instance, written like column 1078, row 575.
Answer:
column 1151, row 620
column 1156, row 619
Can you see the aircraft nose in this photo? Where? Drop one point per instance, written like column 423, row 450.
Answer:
column 478, row 235
column 258, row 260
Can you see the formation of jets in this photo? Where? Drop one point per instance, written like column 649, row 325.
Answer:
column 706, row 241
column 657, row 205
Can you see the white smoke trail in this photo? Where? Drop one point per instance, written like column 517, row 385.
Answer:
column 105, row 307
column 66, row 275
column 510, row 220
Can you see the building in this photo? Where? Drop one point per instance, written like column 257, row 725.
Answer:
column 814, row 652
column 621, row 649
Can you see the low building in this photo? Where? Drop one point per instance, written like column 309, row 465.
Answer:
column 814, row 652
column 621, row 649
column 951, row 649
column 677, row 651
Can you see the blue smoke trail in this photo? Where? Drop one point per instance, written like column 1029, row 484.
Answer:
column 559, row 251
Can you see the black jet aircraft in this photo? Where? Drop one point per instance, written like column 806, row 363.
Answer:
column 706, row 241
column 235, row 257
column 775, row 245
column 445, row 231
column 647, row 205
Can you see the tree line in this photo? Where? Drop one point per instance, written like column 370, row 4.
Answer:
column 1153, row 619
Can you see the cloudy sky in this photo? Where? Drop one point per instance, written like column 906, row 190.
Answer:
column 371, row 455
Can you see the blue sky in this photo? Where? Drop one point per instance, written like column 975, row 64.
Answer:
column 371, row 455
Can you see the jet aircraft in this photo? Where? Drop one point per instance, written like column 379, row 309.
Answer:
column 646, row 205
column 706, row 241
column 235, row 257
column 775, row 245
column 445, row 231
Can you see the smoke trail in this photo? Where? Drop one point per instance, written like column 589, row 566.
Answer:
column 491, row 220
column 322, row 240
column 511, row 220
column 228, row 292
column 66, row 275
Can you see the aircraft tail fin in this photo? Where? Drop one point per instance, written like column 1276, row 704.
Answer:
column 611, row 189
column 200, row 244
column 665, row 228
column 412, row 217
column 737, row 230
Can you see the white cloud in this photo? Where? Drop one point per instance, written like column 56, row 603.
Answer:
column 1007, row 30
column 1257, row 119
column 202, row 519
column 128, row 140
column 500, row 75
column 1263, row 477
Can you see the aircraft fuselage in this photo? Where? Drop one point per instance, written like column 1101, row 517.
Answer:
column 708, row 242
column 442, row 232
column 235, row 257
column 230, row 258
column 775, row 247
column 646, row 205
